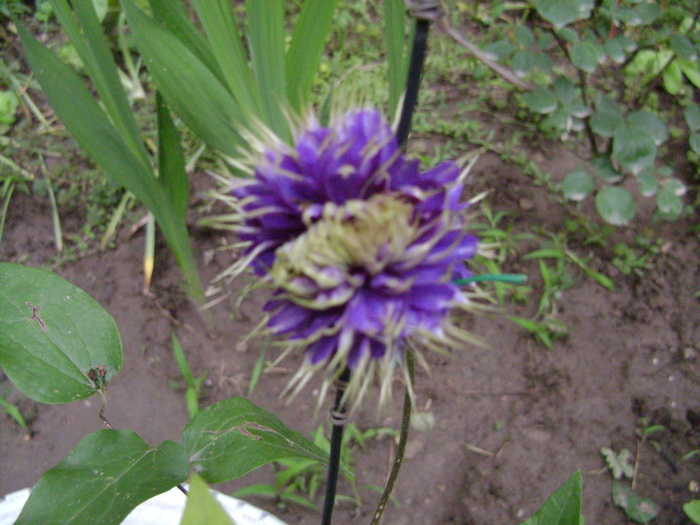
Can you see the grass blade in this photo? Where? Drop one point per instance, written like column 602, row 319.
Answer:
column 305, row 49
column 93, row 48
column 171, row 161
column 193, row 92
column 149, row 252
column 266, row 41
column 172, row 15
column 227, row 46
column 395, row 40
column 8, row 189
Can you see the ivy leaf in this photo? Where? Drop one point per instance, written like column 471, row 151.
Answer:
column 604, row 168
column 647, row 183
column 619, row 464
column 615, row 205
column 637, row 508
column 669, row 204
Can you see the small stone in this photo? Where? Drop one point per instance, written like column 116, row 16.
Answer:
column 690, row 353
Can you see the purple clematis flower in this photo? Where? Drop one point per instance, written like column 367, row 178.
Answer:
column 361, row 246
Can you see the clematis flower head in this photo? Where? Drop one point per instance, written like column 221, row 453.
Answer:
column 361, row 247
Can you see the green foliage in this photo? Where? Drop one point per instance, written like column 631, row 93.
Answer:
column 107, row 130
column 8, row 107
column 637, row 508
column 619, row 464
column 193, row 385
column 57, row 344
column 634, row 44
column 202, row 507
column 233, row 437
column 106, row 475
column 563, row 507
column 692, row 510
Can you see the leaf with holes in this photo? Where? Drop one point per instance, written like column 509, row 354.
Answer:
column 233, row 437
column 106, row 476
column 57, row 344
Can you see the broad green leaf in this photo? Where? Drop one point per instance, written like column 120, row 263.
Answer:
column 692, row 510
column 100, row 8
column 106, row 476
column 564, row 90
column 569, row 35
column 267, row 51
column 395, row 42
column 637, row 508
column 586, row 56
column 523, row 62
column 219, row 23
column 498, row 50
column 649, row 123
column 563, row 12
column 690, row 70
column 673, row 78
column 305, row 49
column 648, row 12
column 56, row 342
column 604, row 168
column 692, row 116
column 607, row 117
column 634, row 148
column 233, row 437
column 647, row 183
column 613, row 48
column 683, row 47
column 577, row 185
column 171, row 161
column 541, row 100
column 563, row 507
column 524, row 36
column 202, row 507
column 669, row 204
column 694, row 142
column 615, row 205
column 193, row 92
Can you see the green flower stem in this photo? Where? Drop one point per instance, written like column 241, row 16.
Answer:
column 338, row 421
column 400, row 448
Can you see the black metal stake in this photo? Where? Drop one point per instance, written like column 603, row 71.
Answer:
column 338, row 422
column 415, row 69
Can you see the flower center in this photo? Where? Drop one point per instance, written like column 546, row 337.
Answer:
column 325, row 265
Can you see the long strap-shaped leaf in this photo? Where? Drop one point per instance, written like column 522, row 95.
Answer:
column 97, row 134
column 93, row 48
column 171, row 15
column 266, row 42
column 305, row 49
column 193, row 92
column 219, row 23
column 397, row 57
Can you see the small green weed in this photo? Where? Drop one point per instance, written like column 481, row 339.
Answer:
column 193, row 385
column 297, row 481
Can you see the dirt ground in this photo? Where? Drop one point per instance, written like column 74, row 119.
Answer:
column 512, row 421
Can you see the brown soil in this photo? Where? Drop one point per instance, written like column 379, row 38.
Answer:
column 512, row 421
